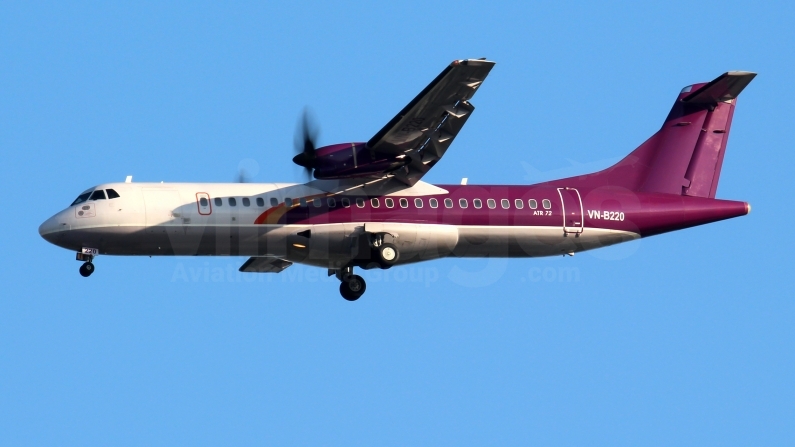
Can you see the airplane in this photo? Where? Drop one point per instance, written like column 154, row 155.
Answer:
column 365, row 205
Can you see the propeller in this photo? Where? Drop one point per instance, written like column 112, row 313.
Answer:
column 247, row 170
column 242, row 176
column 305, row 139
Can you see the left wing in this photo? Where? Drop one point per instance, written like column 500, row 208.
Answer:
column 426, row 127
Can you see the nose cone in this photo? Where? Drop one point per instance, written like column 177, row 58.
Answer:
column 51, row 227
column 47, row 227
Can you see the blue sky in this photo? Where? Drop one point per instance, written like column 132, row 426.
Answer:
column 680, row 339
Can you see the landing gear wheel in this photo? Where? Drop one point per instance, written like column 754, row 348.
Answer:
column 388, row 254
column 353, row 288
column 86, row 269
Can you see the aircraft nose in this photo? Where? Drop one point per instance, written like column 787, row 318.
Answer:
column 51, row 227
column 47, row 227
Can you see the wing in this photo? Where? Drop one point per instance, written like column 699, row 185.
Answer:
column 426, row 127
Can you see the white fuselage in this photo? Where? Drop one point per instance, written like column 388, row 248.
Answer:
column 242, row 219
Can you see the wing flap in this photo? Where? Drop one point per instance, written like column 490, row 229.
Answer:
column 427, row 126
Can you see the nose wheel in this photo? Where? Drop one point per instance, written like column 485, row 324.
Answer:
column 86, row 255
column 352, row 286
column 87, row 269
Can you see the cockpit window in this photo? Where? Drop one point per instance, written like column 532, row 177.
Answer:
column 112, row 194
column 98, row 195
column 81, row 198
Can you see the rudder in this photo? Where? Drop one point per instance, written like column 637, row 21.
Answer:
column 705, row 165
column 689, row 154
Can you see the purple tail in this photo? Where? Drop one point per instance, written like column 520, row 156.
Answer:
column 685, row 156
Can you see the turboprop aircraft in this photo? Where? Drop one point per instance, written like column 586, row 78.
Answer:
column 367, row 206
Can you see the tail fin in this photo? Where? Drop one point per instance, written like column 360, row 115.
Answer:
column 685, row 156
column 720, row 97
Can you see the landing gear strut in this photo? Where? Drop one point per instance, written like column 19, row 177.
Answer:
column 351, row 286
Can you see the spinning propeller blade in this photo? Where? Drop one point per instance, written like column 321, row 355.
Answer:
column 305, row 138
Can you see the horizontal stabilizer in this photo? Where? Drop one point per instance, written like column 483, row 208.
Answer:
column 264, row 265
column 724, row 88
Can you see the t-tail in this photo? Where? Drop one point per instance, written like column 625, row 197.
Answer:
column 685, row 156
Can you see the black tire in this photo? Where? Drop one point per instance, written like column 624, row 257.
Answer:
column 388, row 254
column 353, row 288
column 86, row 269
column 346, row 293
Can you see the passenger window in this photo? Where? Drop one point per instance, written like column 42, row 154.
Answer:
column 232, row 201
column 112, row 194
column 491, row 203
column 389, row 202
column 433, row 203
column 203, row 202
column 448, row 203
column 463, row 203
column 302, row 201
column 317, row 202
column 404, row 203
column 518, row 203
column 260, row 202
column 246, row 201
column 477, row 203
column 547, row 204
column 288, row 202
column 218, row 201
column 374, row 203
column 98, row 195
column 346, row 203
column 505, row 204
column 533, row 204
column 274, row 201
column 360, row 202
column 418, row 203
column 332, row 202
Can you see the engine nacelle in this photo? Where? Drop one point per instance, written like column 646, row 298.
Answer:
column 353, row 160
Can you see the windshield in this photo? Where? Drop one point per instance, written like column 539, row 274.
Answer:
column 82, row 197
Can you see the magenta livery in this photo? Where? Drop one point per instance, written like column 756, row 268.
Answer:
column 366, row 206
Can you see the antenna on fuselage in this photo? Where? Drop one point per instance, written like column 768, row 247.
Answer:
column 128, row 179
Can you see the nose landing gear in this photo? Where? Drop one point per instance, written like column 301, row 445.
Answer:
column 87, row 269
column 88, row 266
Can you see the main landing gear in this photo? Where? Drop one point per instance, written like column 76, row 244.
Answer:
column 377, row 252
column 351, row 286
column 88, row 266
column 386, row 252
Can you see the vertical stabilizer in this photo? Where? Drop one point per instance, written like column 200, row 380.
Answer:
column 685, row 156
column 720, row 96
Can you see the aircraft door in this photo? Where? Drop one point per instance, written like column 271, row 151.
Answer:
column 203, row 203
column 571, row 208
